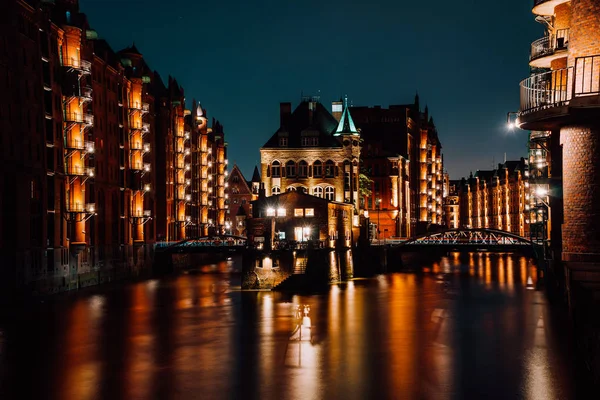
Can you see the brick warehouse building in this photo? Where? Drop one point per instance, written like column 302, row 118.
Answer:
column 401, row 153
column 560, row 104
column 87, row 133
column 238, row 195
column 495, row 199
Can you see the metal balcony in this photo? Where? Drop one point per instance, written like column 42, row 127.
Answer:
column 559, row 87
column 78, row 65
column 80, row 207
column 78, row 118
column 141, row 213
column 549, row 48
column 86, row 93
column 546, row 7
column 136, row 146
column 78, row 170
column 146, row 127
column 548, row 89
column 145, row 108
column 135, row 105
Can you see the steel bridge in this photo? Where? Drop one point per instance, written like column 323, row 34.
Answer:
column 470, row 239
column 206, row 244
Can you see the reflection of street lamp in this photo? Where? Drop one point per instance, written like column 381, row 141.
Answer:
column 377, row 203
column 540, row 195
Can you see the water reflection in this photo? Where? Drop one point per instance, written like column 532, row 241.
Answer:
column 463, row 327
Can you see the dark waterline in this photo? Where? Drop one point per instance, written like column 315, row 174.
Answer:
column 470, row 326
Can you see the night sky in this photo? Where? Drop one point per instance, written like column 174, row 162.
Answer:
column 241, row 58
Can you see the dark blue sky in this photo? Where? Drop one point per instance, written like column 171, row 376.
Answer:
column 241, row 58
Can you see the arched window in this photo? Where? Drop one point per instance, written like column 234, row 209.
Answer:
column 318, row 191
column 290, row 168
column 302, row 169
column 317, row 169
column 329, row 169
column 330, row 193
column 290, row 189
column 302, row 189
column 275, row 190
column 275, row 169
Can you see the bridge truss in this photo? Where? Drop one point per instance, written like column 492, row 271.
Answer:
column 470, row 237
column 219, row 241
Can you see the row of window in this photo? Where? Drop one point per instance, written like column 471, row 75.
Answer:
column 325, row 193
column 306, row 141
column 302, row 169
column 298, row 212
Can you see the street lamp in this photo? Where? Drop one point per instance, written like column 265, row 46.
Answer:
column 510, row 123
column 377, row 203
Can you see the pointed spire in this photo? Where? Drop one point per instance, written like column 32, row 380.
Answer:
column 417, row 106
column 346, row 125
column 199, row 111
column 255, row 175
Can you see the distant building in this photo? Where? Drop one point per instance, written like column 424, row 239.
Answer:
column 496, row 199
column 298, row 220
column 401, row 154
column 239, row 194
column 314, row 153
column 452, row 206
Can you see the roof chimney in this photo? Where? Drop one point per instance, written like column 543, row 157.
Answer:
column 285, row 110
column 337, row 108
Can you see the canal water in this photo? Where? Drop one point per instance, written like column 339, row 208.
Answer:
column 466, row 326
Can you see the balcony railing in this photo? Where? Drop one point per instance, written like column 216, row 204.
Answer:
column 77, row 207
column 549, row 44
column 141, row 213
column 78, row 170
column 86, row 93
column 81, row 65
column 87, row 119
column 145, row 107
column 138, row 166
column 548, row 89
column 136, row 146
column 556, row 88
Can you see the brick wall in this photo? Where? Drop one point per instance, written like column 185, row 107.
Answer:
column 581, row 193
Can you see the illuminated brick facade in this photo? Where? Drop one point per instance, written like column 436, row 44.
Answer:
column 313, row 152
column 401, row 153
column 89, row 149
column 560, row 104
column 495, row 199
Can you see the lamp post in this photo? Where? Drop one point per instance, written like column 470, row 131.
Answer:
column 377, row 203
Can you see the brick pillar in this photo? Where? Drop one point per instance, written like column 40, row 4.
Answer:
column 581, row 193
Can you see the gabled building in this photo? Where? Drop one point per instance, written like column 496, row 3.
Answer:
column 313, row 152
column 238, row 195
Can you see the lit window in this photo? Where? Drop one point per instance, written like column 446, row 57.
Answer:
column 275, row 169
column 298, row 212
column 290, row 168
column 318, row 191
column 281, row 212
column 309, row 212
column 329, row 193
column 303, row 169
column 317, row 169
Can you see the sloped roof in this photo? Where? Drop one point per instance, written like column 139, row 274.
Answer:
column 242, row 182
column 255, row 175
column 300, row 120
column 346, row 125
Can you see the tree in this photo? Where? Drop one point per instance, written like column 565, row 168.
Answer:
column 364, row 183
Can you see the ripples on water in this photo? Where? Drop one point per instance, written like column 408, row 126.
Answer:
column 468, row 326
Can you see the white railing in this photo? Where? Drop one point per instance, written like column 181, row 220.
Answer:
column 556, row 88
column 549, row 44
column 548, row 89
